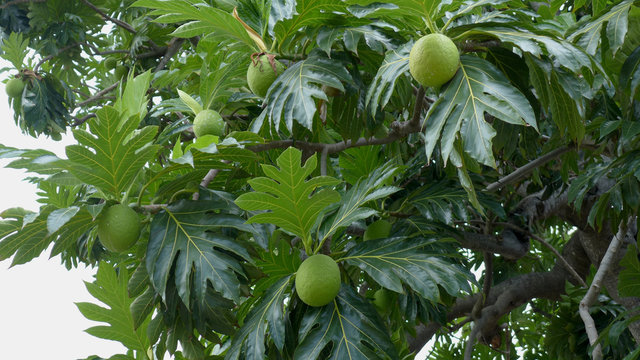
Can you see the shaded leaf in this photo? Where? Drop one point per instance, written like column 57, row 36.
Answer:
column 392, row 262
column 248, row 342
column 351, row 324
column 589, row 34
column 395, row 64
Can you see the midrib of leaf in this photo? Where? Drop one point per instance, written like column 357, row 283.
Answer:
column 190, row 239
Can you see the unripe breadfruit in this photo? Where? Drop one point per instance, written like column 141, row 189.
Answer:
column 118, row 228
column 382, row 299
column 318, row 280
column 14, row 87
column 121, row 71
column 110, row 63
column 377, row 230
column 433, row 60
column 208, row 122
column 261, row 74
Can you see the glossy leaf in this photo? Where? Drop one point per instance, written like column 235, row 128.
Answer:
column 25, row 236
column 351, row 324
column 477, row 88
column 291, row 96
column 397, row 261
column 395, row 64
column 267, row 317
column 614, row 21
column 188, row 235
column 308, row 12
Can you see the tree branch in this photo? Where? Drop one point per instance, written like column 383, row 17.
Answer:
column 99, row 94
column 120, row 23
column 523, row 171
column 174, row 46
column 594, row 290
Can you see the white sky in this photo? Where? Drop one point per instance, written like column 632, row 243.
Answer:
column 38, row 317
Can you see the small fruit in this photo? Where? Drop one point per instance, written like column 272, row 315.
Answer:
column 383, row 300
column 14, row 87
column 118, row 228
column 377, row 230
column 110, row 63
column 261, row 73
column 208, row 122
column 121, row 71
column 318, row 280
column 433, row 60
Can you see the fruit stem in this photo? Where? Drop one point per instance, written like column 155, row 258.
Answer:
column 432, row 27
column 273, row 46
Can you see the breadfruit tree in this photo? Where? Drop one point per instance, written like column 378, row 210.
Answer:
column 503, row 184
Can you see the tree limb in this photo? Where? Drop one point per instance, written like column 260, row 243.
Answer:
column 594, row 290
column 120, row 23
column 99, row 94
column 523, row 171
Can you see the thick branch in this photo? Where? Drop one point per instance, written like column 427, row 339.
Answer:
column 594, row 290
column 174, row 46
column 507, row 244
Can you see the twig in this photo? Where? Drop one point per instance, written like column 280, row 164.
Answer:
column 523, row 171
column 120, row 23
column 99, row 94
column 323, row 162
column 594, row 290
column 47, row 58
column 171, row 49
column 206, row 181
column 82, row 120
column 563, row 261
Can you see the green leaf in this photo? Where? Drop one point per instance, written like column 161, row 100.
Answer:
column 392, row 262
column 629, row 279
column 111, row 155
column 59, row 217
column 67, row 236
column 43, row 106
column 15, row 49
column 287, row 194
column 589, row 34
column 110, row 288
column 630, row 74
column 351, row 324
column 477, row 87
column 395, row 65
column 441, row 201
column 134, row 97
column 205, row 20
column 290, row 97
column 142, row 307
column 352, row 206
column 188, row 233
column 308, row 13
column 25, row 237
column 249, row 342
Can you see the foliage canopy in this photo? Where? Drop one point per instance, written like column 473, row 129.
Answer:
column 501, row 192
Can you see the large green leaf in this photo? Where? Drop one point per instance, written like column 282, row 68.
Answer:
column 630, row 73
column 249, row 342
column 392, row 262
column 188, row 233
column 288, row 195
column 589, row 34
column 25, row 235
column 441, row 201
column 395, row 64
column 477, row 88
column 43, row 106
column 351, row 324
column 112, row 153
column 110, row 287
column 197, row 19
column 352, row 206
column 290, row 97
column 308, row 13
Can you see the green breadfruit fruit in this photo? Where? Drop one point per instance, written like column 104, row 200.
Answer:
column 118, row 228
column 318, row 280
column 262, row 72
column 14, row 87
column 208, row 122
column 377, row 230
column 434, row 59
